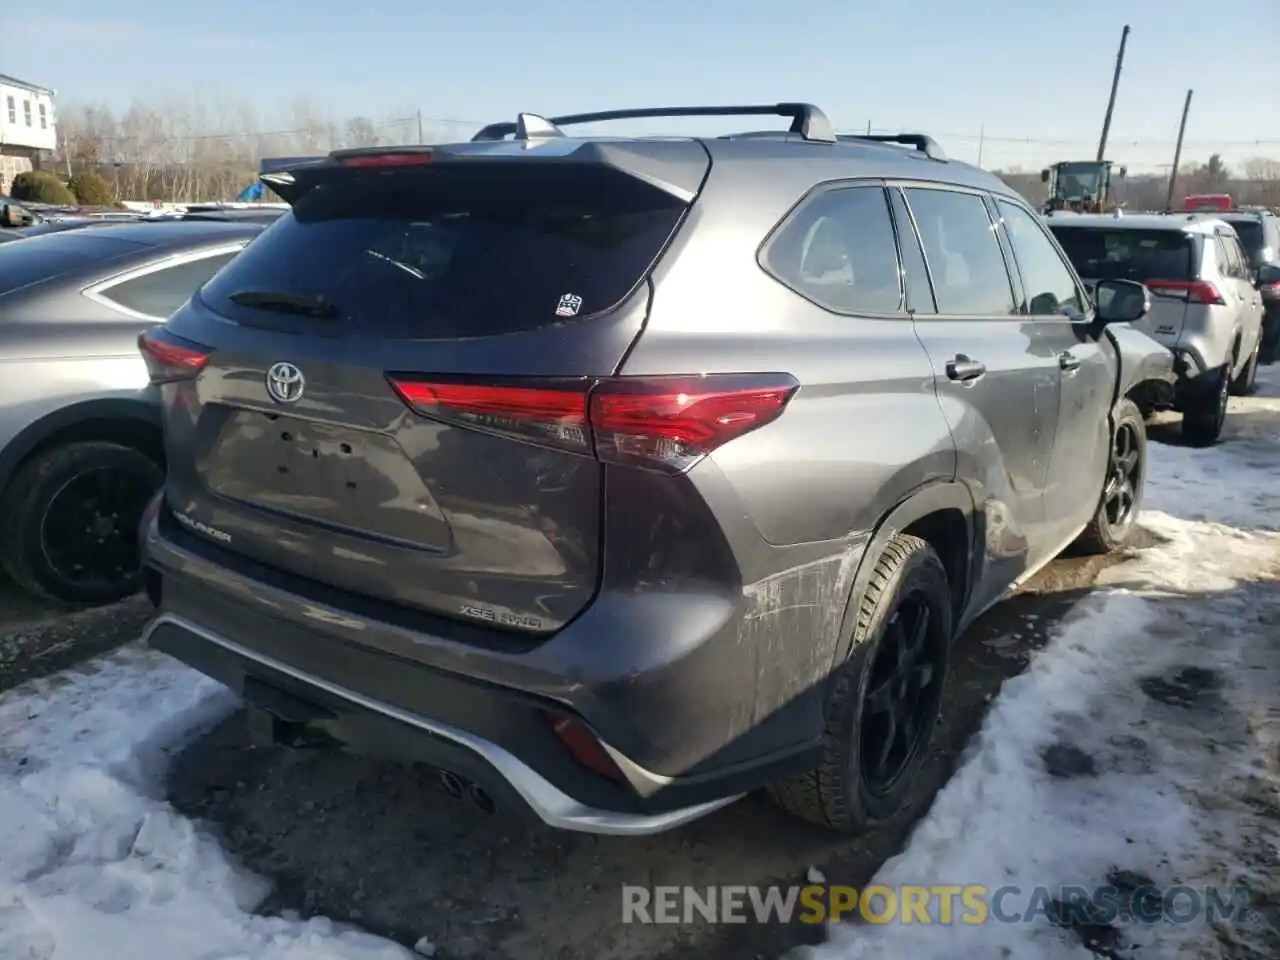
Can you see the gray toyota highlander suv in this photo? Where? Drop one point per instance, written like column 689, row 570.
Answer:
column 621, row 477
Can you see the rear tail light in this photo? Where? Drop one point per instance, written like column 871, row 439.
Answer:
column 414, row 158
column 677, row 421
column 663, row 423
column 1270, row 291
column 554, row 414
column 1194, row 291
column 583, row 745
column 169, row 357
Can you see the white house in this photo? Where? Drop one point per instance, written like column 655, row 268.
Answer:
column 27, row 127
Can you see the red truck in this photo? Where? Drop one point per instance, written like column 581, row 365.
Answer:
column 1208, row 201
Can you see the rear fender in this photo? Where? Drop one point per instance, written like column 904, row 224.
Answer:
column 922, row 503
column 82, row 418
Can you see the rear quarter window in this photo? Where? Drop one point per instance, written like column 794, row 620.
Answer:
column 161, row 292
column 838, row 250
column 1127, row 254
column 454, row 253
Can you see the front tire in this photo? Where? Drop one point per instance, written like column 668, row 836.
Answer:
column 1117, row 514
column 69, row 521
column 1247, row 382
column 884, row 701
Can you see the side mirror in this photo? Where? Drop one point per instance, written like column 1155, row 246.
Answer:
column 1044, row 176
column 11, row 216
column 1121, row 301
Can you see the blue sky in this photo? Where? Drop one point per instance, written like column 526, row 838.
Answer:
column 952, row 68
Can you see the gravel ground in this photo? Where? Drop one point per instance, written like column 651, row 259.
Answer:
column 38, row 638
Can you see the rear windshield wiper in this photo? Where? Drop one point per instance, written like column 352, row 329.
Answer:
column 301, row 304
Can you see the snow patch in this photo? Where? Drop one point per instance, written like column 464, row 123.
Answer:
column 94, row 863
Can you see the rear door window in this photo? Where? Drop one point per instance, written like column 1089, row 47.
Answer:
column 1118, row 253
column 456, row 253
column 159, row 293
column 969, row 274
column 838, row 250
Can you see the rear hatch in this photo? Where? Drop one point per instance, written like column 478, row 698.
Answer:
column 391, row 378
column 1162, row 259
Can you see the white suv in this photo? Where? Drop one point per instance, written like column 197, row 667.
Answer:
column 1206, row 307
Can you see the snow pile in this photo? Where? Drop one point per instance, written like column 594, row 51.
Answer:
column 1161, row 692
column 1236, row 483
column 93, row 863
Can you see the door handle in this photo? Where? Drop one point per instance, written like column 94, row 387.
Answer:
column 1068, row 360
column 965, row 369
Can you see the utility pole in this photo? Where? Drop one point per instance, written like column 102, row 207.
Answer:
column 1177, row 151
column 420, row 137
column 982, row 136
column 1111, row 102
column 868, row 128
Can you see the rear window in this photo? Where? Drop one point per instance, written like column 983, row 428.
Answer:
column 1127, row 254
column 451, row 253
column 37, row 259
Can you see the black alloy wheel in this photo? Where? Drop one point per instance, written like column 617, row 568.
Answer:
column 903, row 694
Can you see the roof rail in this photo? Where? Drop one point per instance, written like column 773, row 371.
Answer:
column 806, row 120
column 926, row 145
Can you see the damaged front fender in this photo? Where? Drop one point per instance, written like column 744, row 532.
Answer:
column 1146, row 365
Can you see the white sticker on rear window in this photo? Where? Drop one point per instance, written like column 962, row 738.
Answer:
column 569, row 305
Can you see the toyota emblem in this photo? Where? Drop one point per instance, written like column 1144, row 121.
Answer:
column 285, row 383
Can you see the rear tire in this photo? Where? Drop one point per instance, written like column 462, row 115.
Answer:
column 1122, row 487
column 855, row 787
column 1202, row 422
column 69, row 521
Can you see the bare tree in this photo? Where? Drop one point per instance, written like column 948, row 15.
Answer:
column 360, row 132
column 1262, row 169
column 203, row 147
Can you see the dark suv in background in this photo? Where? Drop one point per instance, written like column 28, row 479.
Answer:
column 621, row 477
column 1259, row 232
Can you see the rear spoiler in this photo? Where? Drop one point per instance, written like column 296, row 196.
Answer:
column 676, row 166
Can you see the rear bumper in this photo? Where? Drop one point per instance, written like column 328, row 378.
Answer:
column 362, row 720
column 658, row 685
